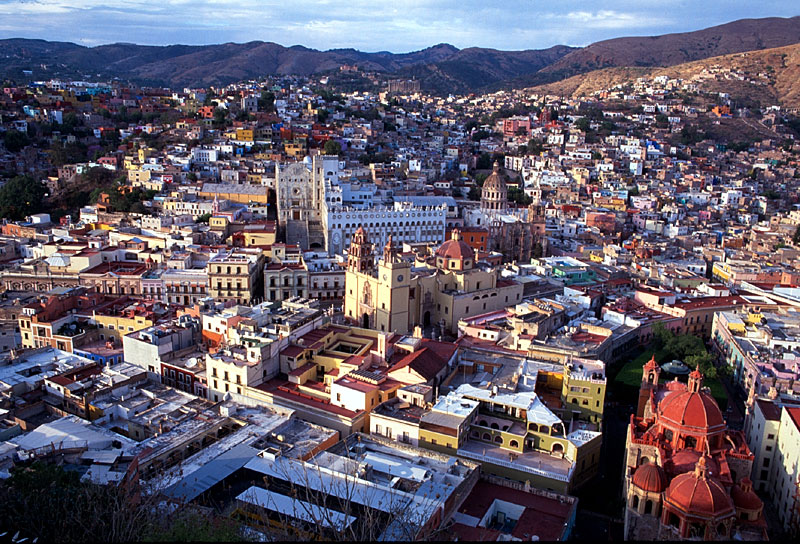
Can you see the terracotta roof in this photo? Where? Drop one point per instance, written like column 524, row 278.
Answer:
column 744, row 497
column 794, row 413
column 650, row 477
column 770, row 411
column 455, row 249
column 697, row 494
column 425, row 362
column 690, row 409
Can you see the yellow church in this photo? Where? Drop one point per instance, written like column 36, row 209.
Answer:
column 439, row 289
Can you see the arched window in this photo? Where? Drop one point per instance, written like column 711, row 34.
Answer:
column 696, row 530
column 498, row 439
column 557, row 448
column 635, row 502
column 495, row 426
column 483, row 423
column 644, row 460
column 648, row 507
column 673, row 520
column 487, row 436
column 514, row 444
column 722, row 530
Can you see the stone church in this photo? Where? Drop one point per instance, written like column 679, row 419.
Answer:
column 517, row 233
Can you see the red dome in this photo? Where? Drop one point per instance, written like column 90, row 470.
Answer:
column 690, row 409
column 650, row 477
column 744, row 497
column 696, row 494
column 455, row 248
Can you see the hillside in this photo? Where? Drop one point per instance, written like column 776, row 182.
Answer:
column 441, row 69
column 672, row 49
column 771, row 76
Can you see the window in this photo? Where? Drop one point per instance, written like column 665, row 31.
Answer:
column 378, row 429
column 338, row 397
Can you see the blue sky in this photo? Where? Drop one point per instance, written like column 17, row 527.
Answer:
column 370, row 25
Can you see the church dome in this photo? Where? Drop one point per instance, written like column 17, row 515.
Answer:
column 697, row 494
column 495, row 180
column 494, row 195
column 744, row 497
column 455, row 250
column 691, row 409
column 650, row 477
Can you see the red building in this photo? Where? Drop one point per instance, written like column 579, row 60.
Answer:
column 686, row 473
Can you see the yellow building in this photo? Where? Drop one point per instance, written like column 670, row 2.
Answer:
column 443, row 289
column 244, row 134
column 118, row 325
column 138, row 177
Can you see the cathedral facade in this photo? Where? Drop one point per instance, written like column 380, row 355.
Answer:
column 300, row 191
column 438, row 290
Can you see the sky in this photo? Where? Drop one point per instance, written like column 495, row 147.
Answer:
column 370, row 25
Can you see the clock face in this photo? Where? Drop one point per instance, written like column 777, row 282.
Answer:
column 400, row 277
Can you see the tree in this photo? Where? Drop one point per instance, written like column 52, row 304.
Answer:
column 332, row 147
column 220, row 117
column 661, row 334
column 516, row 194
column 484, row 161
column 796, row 237
column 70, row 153
column 203, row 218
column 479, row 135
column 15, row 140
column 21, row 196
column 267, row 101
column 474, row 193
column 78, row 511
column 534, row 147
column 583, row 124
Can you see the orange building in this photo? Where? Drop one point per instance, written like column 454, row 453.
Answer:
column 477, row 238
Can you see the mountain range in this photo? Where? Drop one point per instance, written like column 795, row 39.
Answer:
column 441, row 69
